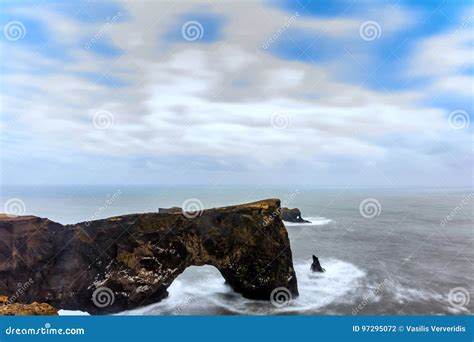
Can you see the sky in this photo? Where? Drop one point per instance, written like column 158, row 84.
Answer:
column 314, row 93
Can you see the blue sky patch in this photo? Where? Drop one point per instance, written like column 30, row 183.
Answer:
column 196, row 27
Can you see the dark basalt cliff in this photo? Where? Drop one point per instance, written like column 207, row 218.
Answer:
column 292, row 215
column 123, row 262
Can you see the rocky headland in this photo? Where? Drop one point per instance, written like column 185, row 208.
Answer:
column 120, row 263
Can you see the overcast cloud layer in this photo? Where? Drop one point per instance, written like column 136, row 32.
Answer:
column 265, row 93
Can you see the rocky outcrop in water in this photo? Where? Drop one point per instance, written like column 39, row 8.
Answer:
column 316, row 265
column 292, row 215
column 123, row 262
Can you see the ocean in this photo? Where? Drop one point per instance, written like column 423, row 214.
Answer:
column 385, row 251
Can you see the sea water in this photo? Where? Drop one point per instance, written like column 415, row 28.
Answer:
column 412, row 253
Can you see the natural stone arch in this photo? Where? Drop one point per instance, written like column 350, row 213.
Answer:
column 138, row 256
column 196, row 284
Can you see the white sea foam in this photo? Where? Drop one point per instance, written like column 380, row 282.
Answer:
column 191, row 293
column 208, row 290
column 314, row 221
column 320, row 289
column 72, row 313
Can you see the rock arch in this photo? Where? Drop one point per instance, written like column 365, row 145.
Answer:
column 135, row 258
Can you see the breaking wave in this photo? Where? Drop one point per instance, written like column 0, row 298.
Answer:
column 206, row 292
column 315, row 221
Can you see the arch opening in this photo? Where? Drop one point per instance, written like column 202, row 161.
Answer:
column 197, row 290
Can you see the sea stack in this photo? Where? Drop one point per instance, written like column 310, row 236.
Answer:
column 316, row 266
column 292, row 215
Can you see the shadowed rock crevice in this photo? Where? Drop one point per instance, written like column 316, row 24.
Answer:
column 138, row 256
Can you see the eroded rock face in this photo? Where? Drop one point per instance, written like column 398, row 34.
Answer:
column 34, row 309
column 292, row 215
column 123, row 262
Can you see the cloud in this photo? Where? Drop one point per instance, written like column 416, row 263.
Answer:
column 174, row 100
column 446, row 58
